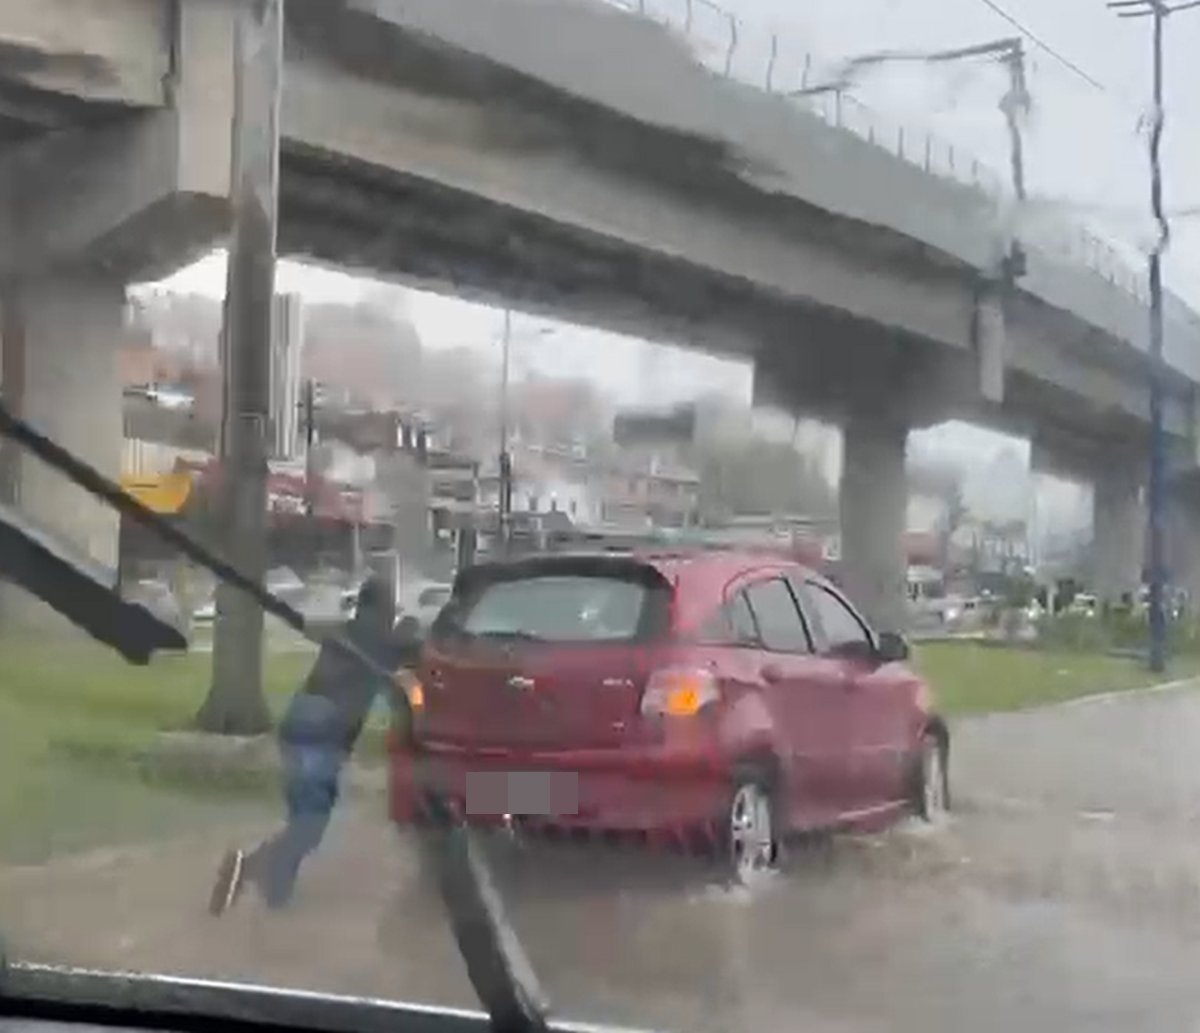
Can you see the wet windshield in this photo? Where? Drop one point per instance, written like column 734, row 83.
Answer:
column 680, row 514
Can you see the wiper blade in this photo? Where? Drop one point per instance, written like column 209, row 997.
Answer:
column 497, row 966
column 82, row 591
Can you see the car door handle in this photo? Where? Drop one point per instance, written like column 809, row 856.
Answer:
column 772, row 674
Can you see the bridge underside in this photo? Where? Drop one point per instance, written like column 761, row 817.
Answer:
column 811, row 358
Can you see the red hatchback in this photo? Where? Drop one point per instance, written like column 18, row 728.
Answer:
column 674, row 694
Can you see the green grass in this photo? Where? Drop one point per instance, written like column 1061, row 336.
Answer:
column 75, row 721
column 969, row 678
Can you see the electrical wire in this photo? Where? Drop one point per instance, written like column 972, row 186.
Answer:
column 1066, row 62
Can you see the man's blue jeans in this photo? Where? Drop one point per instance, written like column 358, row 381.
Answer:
column 312, row 767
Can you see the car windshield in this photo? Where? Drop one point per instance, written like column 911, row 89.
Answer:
column 662, row 514
column 557, row 609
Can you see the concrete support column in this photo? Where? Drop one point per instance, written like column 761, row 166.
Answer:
column 873, row 503
column 1118, row 532
column 61, row 336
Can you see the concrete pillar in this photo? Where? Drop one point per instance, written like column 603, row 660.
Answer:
column 873, row 502
column 61, row 336
column 1118, row 532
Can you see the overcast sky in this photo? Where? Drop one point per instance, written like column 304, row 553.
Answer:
column 636, row 372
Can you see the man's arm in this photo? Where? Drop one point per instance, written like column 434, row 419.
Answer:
column 405, row 644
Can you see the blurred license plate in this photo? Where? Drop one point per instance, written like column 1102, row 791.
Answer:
column 522, row 792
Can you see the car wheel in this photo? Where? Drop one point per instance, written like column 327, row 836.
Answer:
column 750, row 839
column 931, row 782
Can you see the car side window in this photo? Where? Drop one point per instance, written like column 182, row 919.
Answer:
column 780, row 625
column 731, row 625
column 838, row 622
column 745, row 628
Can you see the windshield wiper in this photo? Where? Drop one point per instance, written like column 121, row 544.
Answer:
column 496, row 964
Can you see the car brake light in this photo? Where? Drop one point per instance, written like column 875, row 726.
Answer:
column 676, row 692
column 412, row 688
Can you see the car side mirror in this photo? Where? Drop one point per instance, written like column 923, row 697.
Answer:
column 892, row 647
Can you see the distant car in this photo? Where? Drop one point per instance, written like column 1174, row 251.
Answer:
column 157, row 597
column 280, row 581
column 1084, row 605
column 423, row 600
column 730, row 697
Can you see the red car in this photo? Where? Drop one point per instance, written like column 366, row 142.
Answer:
column 734, row 696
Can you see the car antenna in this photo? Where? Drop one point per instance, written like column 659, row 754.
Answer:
column 497, row 965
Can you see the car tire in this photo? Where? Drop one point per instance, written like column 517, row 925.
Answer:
column 930, row 792
column 749, row 831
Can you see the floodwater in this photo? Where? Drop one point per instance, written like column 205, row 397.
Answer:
column 1064, row 893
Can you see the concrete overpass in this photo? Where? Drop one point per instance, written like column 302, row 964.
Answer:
column 568, row 157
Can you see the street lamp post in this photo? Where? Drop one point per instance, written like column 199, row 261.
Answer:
column 505, row 469
column 506, row 464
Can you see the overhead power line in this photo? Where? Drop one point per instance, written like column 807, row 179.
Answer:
column 1041, row 44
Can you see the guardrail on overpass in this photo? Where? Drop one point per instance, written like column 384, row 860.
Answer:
column 765, row 58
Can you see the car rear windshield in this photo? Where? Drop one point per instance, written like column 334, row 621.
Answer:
column 563, row 603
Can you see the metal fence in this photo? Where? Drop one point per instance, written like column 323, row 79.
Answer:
column 766, row 59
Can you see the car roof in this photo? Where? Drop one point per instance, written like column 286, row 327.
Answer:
column 672, row 562
column 698, row 575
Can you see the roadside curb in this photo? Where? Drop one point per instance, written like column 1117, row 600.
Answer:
column 1153, row 689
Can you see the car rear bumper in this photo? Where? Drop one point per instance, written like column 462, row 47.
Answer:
column 643, row 789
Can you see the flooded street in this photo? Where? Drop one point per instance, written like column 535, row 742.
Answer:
column 1064, row 893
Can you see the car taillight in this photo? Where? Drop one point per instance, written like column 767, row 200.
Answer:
column 412, row 688
column 679, row 692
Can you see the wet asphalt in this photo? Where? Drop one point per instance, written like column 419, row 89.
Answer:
column 1063, row 894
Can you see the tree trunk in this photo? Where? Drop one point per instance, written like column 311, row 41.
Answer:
column 235, row 704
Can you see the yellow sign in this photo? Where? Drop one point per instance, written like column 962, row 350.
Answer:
column 165, row 494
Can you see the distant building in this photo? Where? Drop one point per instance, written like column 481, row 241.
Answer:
column 650, row 488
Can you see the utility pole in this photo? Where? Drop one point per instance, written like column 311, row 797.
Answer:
column 505, row 483
column 236, row 704
column 1159, row 11
column 1014, row 105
